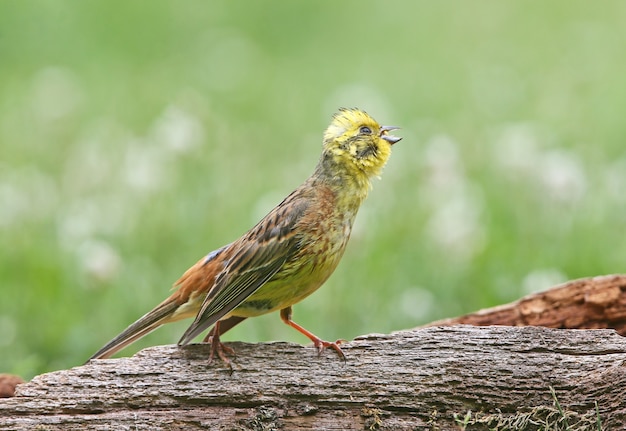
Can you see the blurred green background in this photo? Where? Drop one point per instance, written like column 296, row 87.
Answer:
column 137, row 136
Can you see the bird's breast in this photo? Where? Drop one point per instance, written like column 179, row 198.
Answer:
column 323, row 235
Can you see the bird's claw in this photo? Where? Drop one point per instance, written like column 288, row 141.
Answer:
column 322, row 345
column 222, row 351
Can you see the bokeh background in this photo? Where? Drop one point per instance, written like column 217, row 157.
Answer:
column 135, row 137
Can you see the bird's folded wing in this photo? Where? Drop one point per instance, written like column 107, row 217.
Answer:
column 257, row 257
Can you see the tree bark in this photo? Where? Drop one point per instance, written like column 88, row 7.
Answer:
column 439, row 378
column 588, row 303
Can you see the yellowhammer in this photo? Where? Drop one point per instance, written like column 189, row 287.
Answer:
column 288, row 255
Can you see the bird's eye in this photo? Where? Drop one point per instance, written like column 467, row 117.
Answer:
column 365, row 130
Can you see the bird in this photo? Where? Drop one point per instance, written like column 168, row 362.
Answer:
column 287, row 255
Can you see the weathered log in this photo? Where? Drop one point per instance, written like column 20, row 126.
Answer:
column 8, row 382
column 438, row 378
column 588, row 303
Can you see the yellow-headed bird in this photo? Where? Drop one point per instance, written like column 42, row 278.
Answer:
column 288, row 255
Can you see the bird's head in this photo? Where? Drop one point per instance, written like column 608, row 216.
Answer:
column 357, row 142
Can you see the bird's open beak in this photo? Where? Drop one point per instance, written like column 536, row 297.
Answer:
column 389, row 138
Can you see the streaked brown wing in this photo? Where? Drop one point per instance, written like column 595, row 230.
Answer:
column 259, row 255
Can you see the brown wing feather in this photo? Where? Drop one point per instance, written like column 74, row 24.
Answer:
column 260, row 254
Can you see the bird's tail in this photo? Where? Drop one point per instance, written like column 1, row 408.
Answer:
column 163, row 313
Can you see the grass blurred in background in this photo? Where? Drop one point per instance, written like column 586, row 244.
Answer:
column 135, row 137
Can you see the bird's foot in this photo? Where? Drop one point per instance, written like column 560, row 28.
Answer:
column 322, row 345
column 222, row 351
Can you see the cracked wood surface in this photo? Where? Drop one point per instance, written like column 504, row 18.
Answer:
column 407, row 380
column 588, row 303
